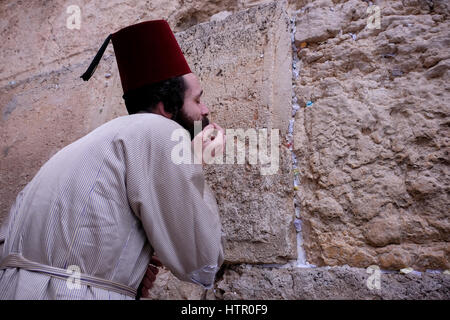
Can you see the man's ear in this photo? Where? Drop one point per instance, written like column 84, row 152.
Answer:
column 159, row 109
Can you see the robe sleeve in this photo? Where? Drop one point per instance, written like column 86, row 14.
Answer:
column 5, row 224
column 4, row 230
column 2, row 237
column 180, row 219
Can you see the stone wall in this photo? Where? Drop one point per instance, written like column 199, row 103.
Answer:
column 373, row 146
column 370, row 134
column 244, row 63
column 327, row 283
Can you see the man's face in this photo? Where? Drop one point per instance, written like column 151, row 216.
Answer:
column 193, row 109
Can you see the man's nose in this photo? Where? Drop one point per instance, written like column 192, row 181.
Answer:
column 204, row 110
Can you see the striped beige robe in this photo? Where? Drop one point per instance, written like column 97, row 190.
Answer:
column 103, row 204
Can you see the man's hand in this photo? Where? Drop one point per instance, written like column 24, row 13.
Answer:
column 209, row 143
column 150, row 276
column 220, row 130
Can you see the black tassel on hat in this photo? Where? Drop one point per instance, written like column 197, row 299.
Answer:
column 146, row 53
column 90, row 71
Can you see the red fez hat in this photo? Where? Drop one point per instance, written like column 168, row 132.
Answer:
column 146, row 53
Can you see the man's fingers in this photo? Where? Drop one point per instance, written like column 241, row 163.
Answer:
column 155, row 260
column 147, row 282
column 218, row 128
column 208, row 132
column 221, row 130
column 150, row 275
column 153, row 269
column 144, row 292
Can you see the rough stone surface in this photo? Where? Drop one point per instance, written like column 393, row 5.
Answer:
column 244, row 63
column 43, row 114
column 36, row 39
column 247, row 282
column 168, row 287
column 254, row 283
column 373, row 146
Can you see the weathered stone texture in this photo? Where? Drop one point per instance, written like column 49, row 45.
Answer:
column 254, row 283
column 168, row 287
column 246, row 282
column 36, row 39
column 244, row 63
column 373, row 146
column 43, row 114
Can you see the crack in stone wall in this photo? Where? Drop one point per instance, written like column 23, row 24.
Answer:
column 301, row 260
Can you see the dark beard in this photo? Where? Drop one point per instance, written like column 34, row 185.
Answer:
column 188, row 123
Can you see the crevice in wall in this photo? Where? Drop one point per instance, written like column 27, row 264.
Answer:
column 301, row 258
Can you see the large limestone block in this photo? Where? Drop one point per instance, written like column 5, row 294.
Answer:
column 43, row 114
column 39, row 36
column 168, row 287
column 251, row 282
column 329, row 283
column 373, row 146
column 244, row 63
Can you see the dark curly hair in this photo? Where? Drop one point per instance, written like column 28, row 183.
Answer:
column 170, row 92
